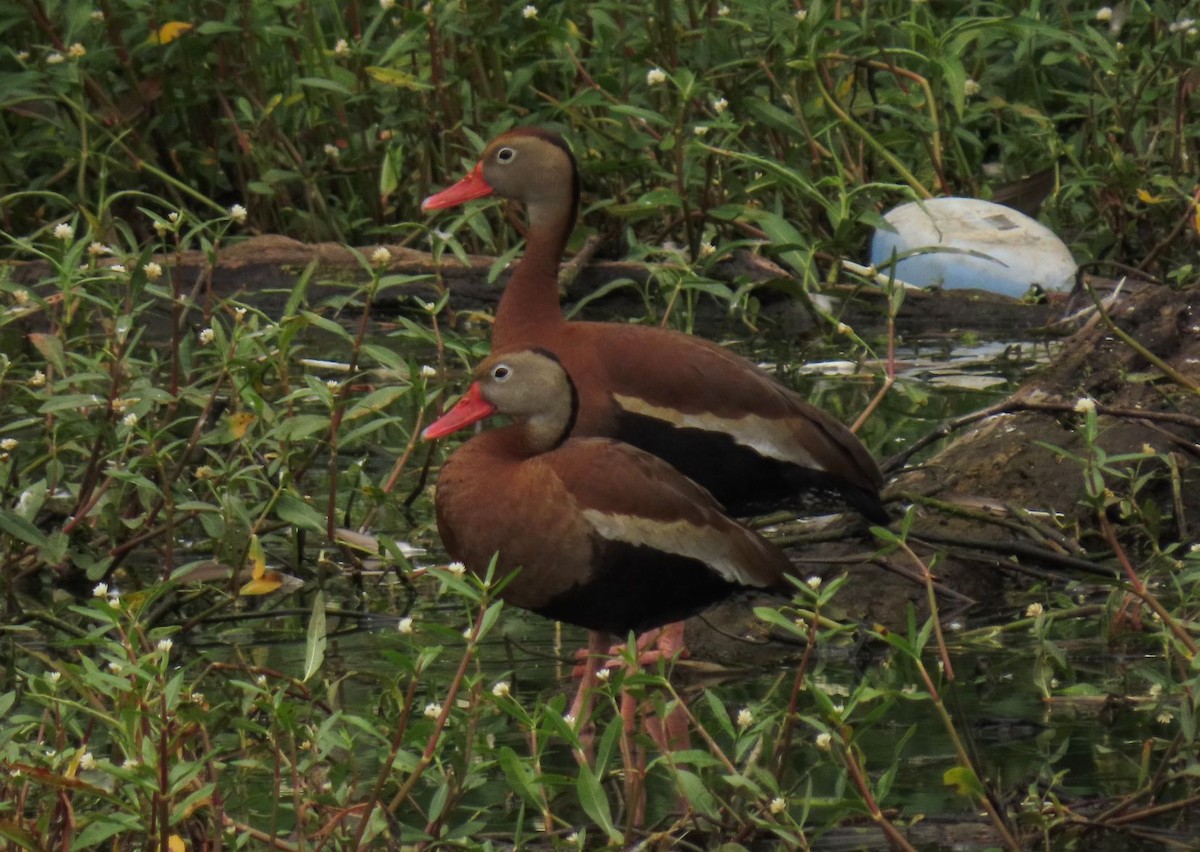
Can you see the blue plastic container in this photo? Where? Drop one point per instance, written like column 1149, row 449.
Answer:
column 969, row 243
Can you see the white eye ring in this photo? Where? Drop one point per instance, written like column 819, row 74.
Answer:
column 501, row 372
column 506, row 154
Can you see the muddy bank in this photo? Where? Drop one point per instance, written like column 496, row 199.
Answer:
column 1005, row 501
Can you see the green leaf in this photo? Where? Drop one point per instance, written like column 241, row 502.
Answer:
column 698, row 796
column 296, row 512
column 521, row 777
column 19, row 528
column 595, row 803
column 397, row 78
column 314, row 646
column 964, row 781
column 322, row 83
column 73, row 401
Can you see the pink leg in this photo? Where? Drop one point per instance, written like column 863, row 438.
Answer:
column 581, row 706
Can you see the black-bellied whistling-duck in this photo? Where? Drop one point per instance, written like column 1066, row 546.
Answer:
column 711, row 414
column 605, row 535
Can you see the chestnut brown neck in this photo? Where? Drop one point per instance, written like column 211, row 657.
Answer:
column 531, row 297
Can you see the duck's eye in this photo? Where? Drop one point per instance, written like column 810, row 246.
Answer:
column 506, row 155
column 501, row 372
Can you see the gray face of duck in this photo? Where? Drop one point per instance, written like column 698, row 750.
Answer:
column 536, row 168
column 532, row 388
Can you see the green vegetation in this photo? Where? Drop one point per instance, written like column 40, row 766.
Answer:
column 163, row 448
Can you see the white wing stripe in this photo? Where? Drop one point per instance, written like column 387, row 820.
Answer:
column 768, row 437
column 706, row 544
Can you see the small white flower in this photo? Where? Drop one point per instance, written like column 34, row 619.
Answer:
column 237, row 213
column 22, row 55
column 720, row 105
column 161, row 228
column 340, row 48
column 1155, row 690
column 86, row 761
column 63, row 231
column 173, row 217
column 824, row 741
column 573, row 837
column 9, row 444
column 100, row 590
column 130, row 763
column 205, row 471
column 387, row 5
column 118, row 268
column 332, row 151
column 778, row 805
column 97, row 15
column 813, row 582
column 656, row 77
column 467, row 633
column 529, row 12
column 405, row 626
column 971, row 87
column 722, row 11
column 55, row 58
column 604, row 674
column 207, row 335
column 76, row 50
column 333, row 384
column 569, row 718
column 261, row 680
column 21, row 296
column 54, row 677
column 164, row 646
column 428, row 372
column 1085, row 404
column 96, row 249
column 129, row 420
column 842, row 328
column 153, row 271
column 197, row 697
column 381, row 256
column 432, row 709
column 707, row 249
column 501, row 689
column 456, row 568
column 801, row 15
column 38, row 379
column 115, row 667
column 1104, row 14
column 1033, row 610
column 1164, row 718
column 239, row 314
column 744, row 717
column 700, row 130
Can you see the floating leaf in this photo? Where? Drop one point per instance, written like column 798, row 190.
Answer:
column 169, row 31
